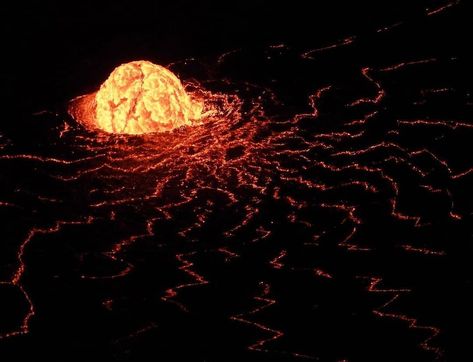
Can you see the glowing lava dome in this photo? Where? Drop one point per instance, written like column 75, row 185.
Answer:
column 138, row 97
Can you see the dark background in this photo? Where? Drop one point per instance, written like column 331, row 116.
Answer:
column 53, row 50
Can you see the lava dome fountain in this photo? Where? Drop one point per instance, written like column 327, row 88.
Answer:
column 138, row 97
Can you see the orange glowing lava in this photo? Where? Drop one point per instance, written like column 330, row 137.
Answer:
column 138, row 97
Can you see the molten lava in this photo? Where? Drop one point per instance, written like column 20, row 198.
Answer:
column 138, row 97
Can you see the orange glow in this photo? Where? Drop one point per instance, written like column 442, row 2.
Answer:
column 138, row 97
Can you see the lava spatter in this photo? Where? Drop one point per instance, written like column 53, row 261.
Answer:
column 138, row 97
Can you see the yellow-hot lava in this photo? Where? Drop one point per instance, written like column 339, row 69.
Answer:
column 138, row 97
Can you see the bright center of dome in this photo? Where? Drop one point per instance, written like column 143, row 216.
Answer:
column 142, row 97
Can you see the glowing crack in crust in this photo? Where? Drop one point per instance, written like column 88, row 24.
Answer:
column 138, row 97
